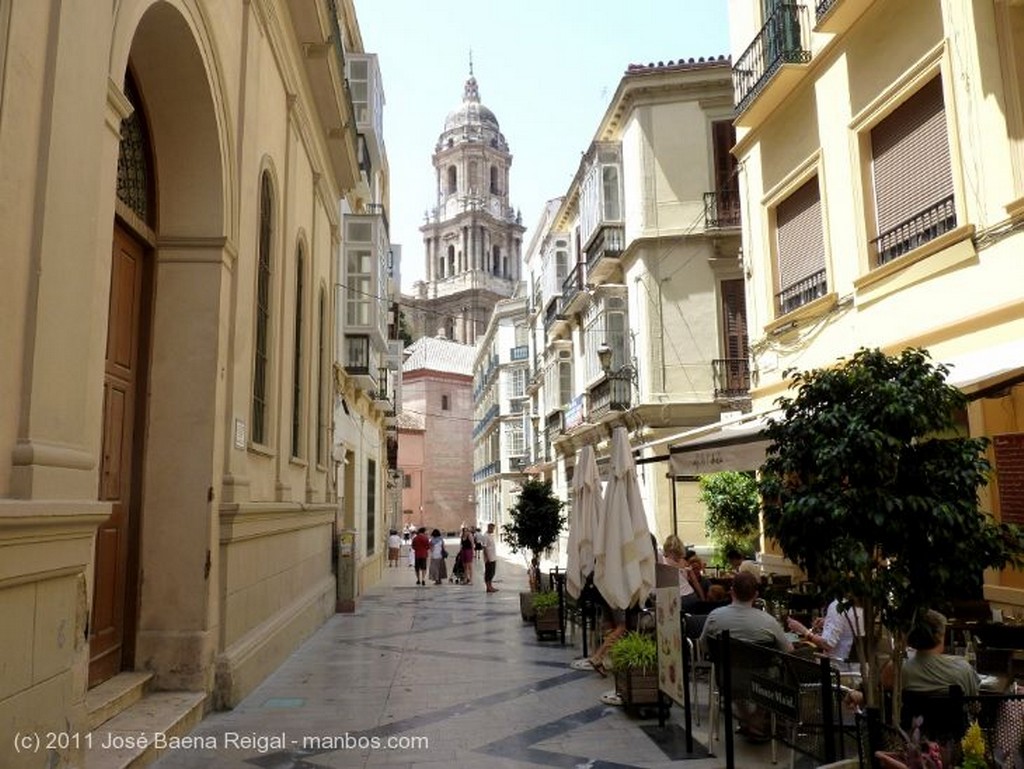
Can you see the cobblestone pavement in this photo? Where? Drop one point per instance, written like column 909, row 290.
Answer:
column 443, row 676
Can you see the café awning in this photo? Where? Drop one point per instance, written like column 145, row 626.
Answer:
column 738, row 445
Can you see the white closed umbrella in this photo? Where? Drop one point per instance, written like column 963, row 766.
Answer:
column 586, row 507
column 624, row 554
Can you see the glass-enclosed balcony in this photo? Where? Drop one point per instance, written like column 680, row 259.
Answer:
column 783, row 40
column 365, row 267
column 601, row 216
column 367, row 100
column 613, row 393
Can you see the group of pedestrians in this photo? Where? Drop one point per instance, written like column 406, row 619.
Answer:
column 430, row 555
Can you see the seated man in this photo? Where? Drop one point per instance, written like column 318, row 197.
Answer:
column 930, row 669
column 745, row 623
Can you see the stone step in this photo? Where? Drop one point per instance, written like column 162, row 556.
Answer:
column 136, row 736
column 114, row 695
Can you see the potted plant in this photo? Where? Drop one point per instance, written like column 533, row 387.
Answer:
column 635, row 662
column 535, row 521
column 545, row 607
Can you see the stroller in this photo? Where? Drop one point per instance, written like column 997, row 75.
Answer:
column 458, row 574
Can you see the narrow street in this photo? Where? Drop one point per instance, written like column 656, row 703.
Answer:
column 435, row 676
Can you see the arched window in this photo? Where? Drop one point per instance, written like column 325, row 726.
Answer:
column 262, row 342
column 134, row 159
column 472, row 180
column 450, row 270
column 453, row 180
column 297, row 355
column 496, row 261
column 322, row 370
column 494, row 180
column 449, row 328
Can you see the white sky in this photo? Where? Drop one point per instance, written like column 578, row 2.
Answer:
column 546, row 68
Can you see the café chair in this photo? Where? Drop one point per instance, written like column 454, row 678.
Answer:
column 701, row 666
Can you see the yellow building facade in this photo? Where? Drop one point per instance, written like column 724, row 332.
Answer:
column 881, row 165
column 173, row 180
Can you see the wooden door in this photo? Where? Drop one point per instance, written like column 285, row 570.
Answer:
column 113, row 585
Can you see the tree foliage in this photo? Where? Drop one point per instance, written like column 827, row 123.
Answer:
column 868, row 487
column 732, row 504
column 535, row 520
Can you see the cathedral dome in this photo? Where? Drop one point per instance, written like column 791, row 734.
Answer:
column 471, row 111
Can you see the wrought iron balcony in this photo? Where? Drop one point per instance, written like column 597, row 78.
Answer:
column 721, row 209
column 779, row 42
column 823, row 7
column 916, row 231
column 522, row 352
column 553, row 428
column 801, row 292
column 487, row 471
column 732, row 377
column 609, row 242
column 571, row 287
column 612, row 393
column 550, row 315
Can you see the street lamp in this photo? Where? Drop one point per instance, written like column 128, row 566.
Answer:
column 626, row 372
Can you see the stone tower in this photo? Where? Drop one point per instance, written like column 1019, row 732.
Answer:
column 472, row 237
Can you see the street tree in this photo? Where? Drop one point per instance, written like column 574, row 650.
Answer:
column 535, row 520
column 732, row 521
column 870, row 487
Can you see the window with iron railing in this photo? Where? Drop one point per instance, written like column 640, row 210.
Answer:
column 800, row 248
column 912, row 174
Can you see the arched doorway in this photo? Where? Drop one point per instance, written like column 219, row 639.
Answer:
column 171, row 269
column 126, row 365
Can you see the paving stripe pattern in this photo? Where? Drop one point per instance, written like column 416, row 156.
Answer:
column 432, row 677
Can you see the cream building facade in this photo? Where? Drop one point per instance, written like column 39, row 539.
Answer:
column 639, row 264
column 501, row 411
column 882, row 178
column 170, row 226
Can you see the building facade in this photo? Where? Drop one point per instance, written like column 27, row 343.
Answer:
column 882, row 174
column 435, row 456
column 472, row 236
column 501, row 405
column 636, row 300
column 170, row 226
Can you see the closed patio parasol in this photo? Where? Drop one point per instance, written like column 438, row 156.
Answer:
column 624, row 554
column 586, row 511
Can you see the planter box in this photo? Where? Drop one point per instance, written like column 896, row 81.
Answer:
column 546, row 622
column 637, row 688
column 526, row 609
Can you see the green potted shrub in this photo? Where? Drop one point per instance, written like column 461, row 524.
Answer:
column 545, row 607
column 535, row 521
column 635, row 662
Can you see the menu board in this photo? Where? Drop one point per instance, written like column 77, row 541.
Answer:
column 1009, row 451
column 670, row 642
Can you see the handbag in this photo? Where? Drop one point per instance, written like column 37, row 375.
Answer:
column 444, row 553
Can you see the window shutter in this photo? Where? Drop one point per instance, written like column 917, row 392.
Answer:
column 734, row 312
column 910, row 158
column 801, row 246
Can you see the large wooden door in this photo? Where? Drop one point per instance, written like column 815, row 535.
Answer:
column 113, row 584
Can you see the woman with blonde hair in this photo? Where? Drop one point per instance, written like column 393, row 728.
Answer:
column 690, row 590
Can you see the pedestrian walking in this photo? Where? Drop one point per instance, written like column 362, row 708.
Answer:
column 394, row 548
column 420, row 548
column 437, row 554
column 490, row 558
column 466, row 554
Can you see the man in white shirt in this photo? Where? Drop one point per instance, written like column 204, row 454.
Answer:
column 838, row 632
column 490, row 557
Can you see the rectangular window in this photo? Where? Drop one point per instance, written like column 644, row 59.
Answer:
column 371, row 507
column 516, row 382
column 359, row 282
column 406, row 481
column 514, row 444
column 800, row 248
column 444, row 403
column 913, row 178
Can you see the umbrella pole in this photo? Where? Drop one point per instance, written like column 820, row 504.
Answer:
column 675, row 507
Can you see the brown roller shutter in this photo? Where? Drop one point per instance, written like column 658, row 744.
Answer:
column 800, row 241
column 910, row 158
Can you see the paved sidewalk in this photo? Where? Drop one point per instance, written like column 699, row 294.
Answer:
column 440, row 677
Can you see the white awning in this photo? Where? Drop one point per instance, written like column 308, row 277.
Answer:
column 736, row 445
column 979, row 369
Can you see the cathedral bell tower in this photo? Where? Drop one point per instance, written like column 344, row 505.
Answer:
column 472, row 237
